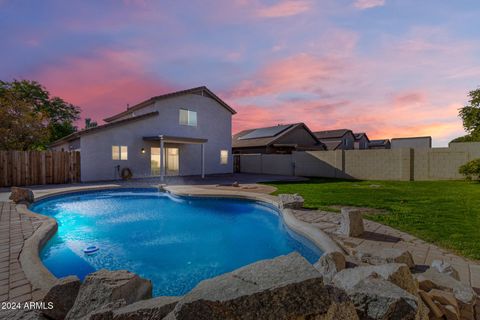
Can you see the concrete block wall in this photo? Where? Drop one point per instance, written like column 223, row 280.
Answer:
column 378, row 164
column 392, row 164
column 327, row 164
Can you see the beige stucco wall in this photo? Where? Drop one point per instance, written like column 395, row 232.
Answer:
column 390, row 164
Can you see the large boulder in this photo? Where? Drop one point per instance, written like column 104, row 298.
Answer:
column 396, row 273
column 21, row 314
column 156, row 308
column 291, row 201
column 62, row 295
column 465, row 296
column 21, row 195
column 446, row 268
column 287, row 287
column 351, row 222
column 374, row 255
column 330, row 264
column 103, row 288
column 375, row 298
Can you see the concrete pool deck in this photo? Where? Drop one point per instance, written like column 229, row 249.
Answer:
column 17, row 227
column 210, row 181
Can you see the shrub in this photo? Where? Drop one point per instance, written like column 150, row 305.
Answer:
column 471, row 169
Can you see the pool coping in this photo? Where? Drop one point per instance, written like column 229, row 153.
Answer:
column 41, row 278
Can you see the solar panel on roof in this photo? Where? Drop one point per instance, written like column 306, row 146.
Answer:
column 265, row 132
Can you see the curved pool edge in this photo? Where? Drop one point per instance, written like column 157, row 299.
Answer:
column 35, row 271
column 41, row 278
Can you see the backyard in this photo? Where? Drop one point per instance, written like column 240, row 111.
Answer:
column 446, row 213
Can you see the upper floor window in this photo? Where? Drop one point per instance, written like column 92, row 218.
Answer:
column 188, row 117
column 119, row 153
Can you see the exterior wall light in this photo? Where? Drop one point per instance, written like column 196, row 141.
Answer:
column 142, row 151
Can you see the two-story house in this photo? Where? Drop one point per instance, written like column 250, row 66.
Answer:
column 181, row 133
column 339, row 139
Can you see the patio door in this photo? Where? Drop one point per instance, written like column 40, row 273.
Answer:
column 171, row 161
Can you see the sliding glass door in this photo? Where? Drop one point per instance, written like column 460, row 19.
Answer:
column 171, row 161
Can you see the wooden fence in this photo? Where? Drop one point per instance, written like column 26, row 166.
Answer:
column 23, row 168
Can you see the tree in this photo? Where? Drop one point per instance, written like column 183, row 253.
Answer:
column 20, row 127
column 471, row 169
column 58, row 117
column 470, row 115
column 89, row 123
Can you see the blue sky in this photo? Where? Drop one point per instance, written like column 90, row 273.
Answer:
column 390, row 68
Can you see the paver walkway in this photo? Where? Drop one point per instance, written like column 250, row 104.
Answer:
column 15, row 228
column 381, row 236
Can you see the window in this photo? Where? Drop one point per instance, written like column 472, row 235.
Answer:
column 119, row 153
column 123, row 153
column 115, row 153
column 188, row 118
column 223, row 156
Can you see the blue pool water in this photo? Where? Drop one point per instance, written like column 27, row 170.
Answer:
column 174, row 241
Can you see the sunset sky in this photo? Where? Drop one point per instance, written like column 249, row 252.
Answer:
column 392, row 68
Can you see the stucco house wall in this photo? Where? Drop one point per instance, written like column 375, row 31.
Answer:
column 298, row 136
column 413, row 142
column 361, row 144
column 213, row 123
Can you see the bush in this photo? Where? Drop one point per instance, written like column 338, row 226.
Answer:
column 471, row 169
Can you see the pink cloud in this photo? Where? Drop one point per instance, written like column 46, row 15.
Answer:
column 301, row 72
column 367, row 4
column 284, row 8
column 101, row 85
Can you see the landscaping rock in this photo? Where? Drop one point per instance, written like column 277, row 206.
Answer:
column 21, row 195
column 23, row 314
column 351, row 222
column 156, row 308
column 291, row 201
column 445, row 268
column 379, row 299
column 287, row 287
column 443, row 297
column 427, row 299
column 451, row 313
column 464, row 294
column 103, row 288
column 62, row 295
column 376, row 256
column 477, row 309
column 330, row 264
column 396, row 273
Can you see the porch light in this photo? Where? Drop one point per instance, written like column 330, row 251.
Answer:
column 142, row 151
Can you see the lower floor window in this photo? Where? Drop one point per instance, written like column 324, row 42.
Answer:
column 119, row 153
column 223, row 156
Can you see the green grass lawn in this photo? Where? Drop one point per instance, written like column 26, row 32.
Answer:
column 446, row 213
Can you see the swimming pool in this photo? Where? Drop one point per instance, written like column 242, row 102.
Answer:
column 174, row 241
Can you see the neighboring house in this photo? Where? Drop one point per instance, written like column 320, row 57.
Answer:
column 192, row 127
column 412, row 142
column 379, row 144
column 276, row 139
column 361, row 141
column 340, row 139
